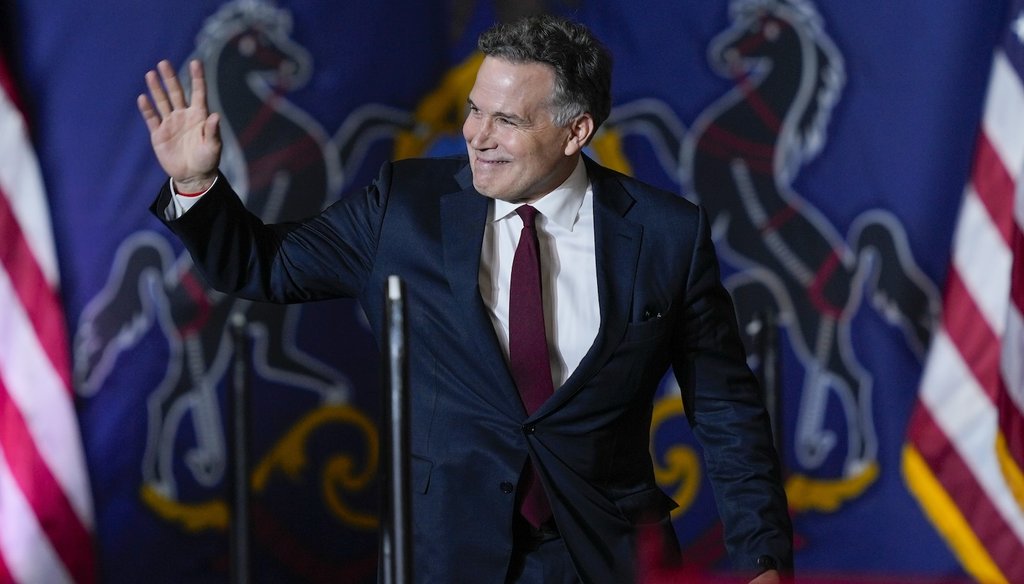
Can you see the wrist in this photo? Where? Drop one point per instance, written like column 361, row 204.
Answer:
column 193, row 186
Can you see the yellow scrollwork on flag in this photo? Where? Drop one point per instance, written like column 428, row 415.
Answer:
column 193, row 517
column 807, row 493
column 676, row 468
column 341, row 475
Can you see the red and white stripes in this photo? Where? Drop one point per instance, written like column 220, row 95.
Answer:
column 46, row 516
column 966, row 435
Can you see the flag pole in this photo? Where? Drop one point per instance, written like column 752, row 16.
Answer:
column 396, row 544
column 238, row 422
column 764, row 332
column 772, row 376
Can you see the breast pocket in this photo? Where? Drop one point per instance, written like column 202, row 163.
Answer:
column 651, row 330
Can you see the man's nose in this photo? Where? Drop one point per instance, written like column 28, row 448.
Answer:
column 479, row 133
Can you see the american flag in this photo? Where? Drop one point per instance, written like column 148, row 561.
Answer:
column 45, row 506
column 965, row 446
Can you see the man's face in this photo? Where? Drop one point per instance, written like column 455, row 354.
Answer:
column 516, row 151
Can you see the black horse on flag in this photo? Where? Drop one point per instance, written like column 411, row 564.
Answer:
column 740, row 159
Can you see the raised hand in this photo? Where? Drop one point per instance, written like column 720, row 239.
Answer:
column 185, row 136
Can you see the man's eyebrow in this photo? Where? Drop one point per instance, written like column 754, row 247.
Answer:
column 509, row 116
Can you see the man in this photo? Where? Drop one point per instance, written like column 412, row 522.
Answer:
column 548, row 297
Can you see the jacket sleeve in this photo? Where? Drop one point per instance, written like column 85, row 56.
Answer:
column 725, row 407
column 325, row 256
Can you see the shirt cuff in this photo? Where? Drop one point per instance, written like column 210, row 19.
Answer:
column 180, row 204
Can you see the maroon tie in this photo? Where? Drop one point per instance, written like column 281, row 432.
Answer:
column 528, row 350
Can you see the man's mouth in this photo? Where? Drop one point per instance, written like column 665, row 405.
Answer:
column 491, row 162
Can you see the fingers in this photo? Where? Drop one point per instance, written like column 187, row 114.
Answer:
column 163, row 105
column 167, row 94
column 148, row 114
column 198, row 84
column 170, row 79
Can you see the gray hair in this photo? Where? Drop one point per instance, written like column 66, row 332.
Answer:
column 582, row 65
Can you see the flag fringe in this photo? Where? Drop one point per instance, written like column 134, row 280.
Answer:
column 947, row 518
column 1011, row 470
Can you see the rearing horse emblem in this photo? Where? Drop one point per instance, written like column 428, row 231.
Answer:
column 287, row 168
column 740, row 159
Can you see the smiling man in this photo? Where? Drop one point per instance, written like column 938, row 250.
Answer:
column 548, row 298
column 517, row 150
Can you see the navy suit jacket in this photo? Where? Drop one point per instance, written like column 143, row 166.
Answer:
column 662, row 304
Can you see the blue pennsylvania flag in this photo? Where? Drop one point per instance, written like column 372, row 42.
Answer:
column 828, row 141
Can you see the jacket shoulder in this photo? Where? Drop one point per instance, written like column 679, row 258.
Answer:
column 647, row 198
column 438, row 168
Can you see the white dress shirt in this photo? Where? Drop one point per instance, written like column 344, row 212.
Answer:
column 565, row 228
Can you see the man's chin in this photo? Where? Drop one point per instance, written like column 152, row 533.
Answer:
column 503, row 196
column 490, row 193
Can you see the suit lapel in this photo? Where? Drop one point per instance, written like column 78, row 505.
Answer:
column 617, row 249
column 463, row 215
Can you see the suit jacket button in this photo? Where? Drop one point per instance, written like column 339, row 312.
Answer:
column 529, row 428
column 506, row 487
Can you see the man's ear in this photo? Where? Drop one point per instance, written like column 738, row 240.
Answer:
column 581, row 130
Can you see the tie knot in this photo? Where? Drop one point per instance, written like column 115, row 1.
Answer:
column 527, row 213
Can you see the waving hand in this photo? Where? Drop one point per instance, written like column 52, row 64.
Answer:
column 185, row 136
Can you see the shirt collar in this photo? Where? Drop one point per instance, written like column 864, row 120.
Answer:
column 561, row 205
